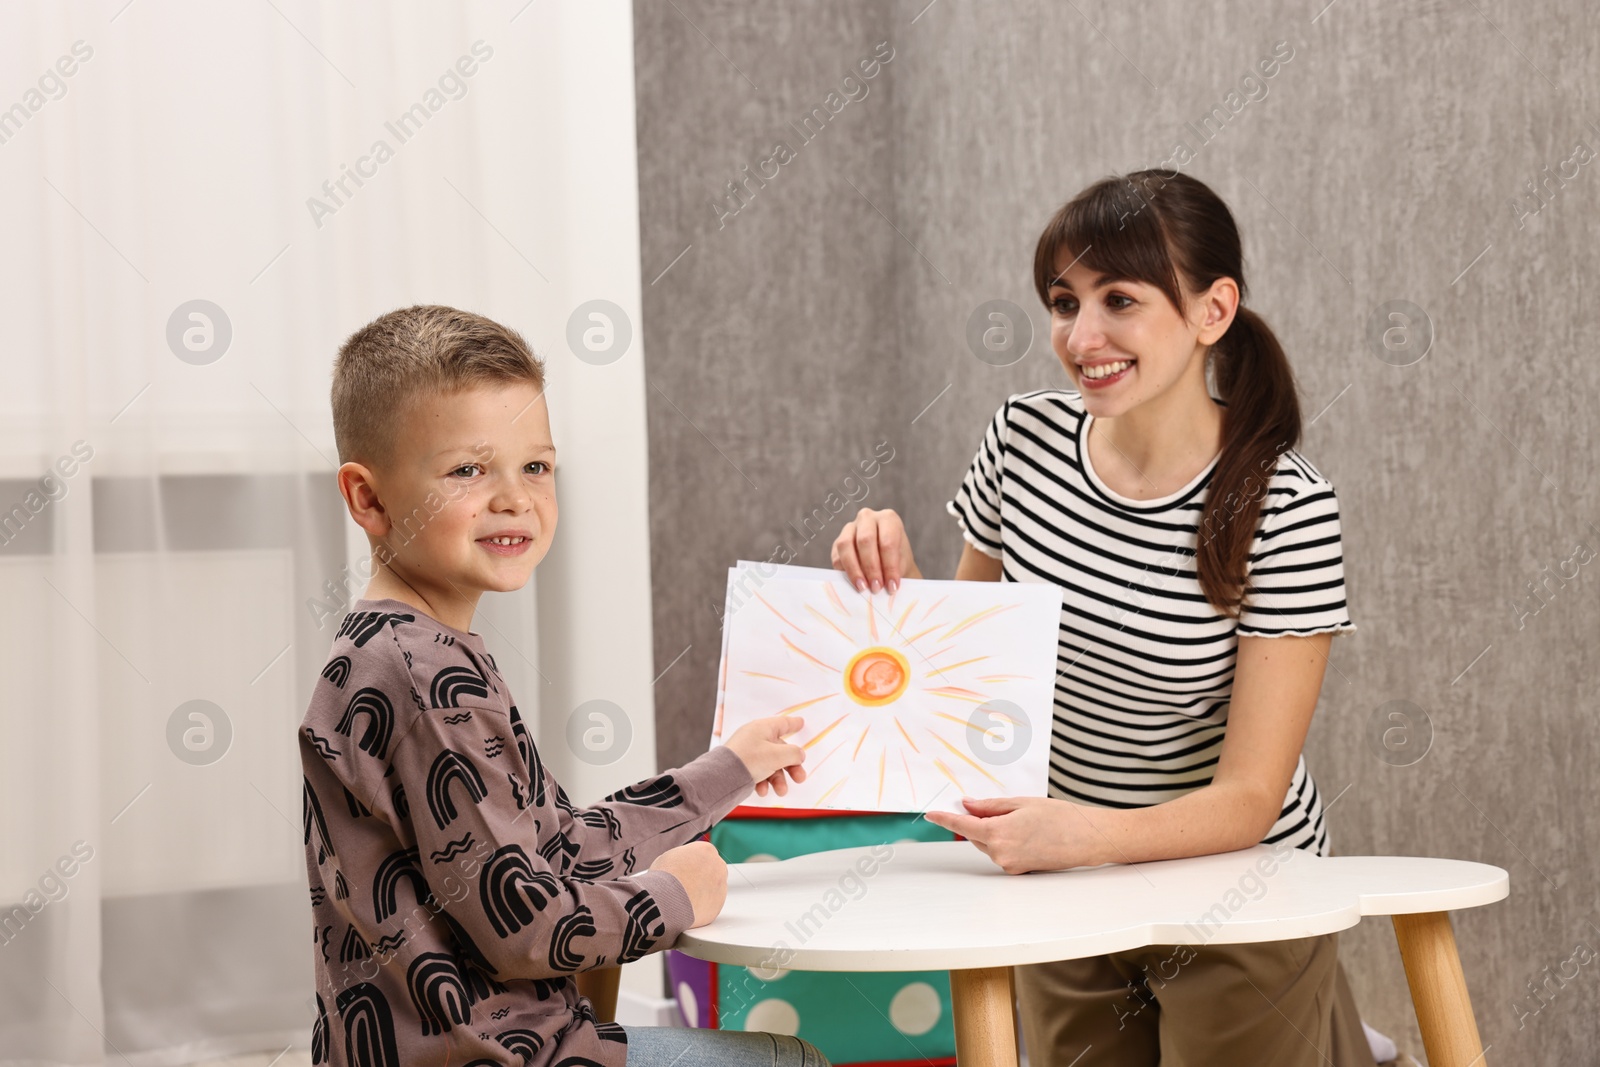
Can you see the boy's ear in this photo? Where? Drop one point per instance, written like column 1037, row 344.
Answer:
column 359, row 488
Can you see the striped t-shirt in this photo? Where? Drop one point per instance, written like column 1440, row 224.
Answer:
column 1144, row 663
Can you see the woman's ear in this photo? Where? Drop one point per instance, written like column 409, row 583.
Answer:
column 359, row 488
column 1218, row 304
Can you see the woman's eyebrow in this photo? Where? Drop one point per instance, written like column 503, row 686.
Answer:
column 1100, row 281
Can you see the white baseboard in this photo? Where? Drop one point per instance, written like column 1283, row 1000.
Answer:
column 636, row 1009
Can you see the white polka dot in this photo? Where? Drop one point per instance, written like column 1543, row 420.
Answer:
column 768, row 973
column 915, row 1009
column 761, row 857
column 688, row 1005
column 908, row 841
column 774, row 1016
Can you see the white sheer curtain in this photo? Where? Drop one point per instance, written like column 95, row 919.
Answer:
column 168, row 512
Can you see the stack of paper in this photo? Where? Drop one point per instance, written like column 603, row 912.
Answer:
column 911, row 700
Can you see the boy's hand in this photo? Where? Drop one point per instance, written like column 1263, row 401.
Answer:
column 703, row 873
column 767, row 755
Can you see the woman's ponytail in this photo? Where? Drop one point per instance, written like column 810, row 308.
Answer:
column 1262, row 420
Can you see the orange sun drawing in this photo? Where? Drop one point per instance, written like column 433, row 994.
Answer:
column 887, row 687
column 877, row 676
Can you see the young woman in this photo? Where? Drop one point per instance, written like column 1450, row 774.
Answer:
column 1181, row 702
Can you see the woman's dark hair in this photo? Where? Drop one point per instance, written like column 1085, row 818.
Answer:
column 1171, row 231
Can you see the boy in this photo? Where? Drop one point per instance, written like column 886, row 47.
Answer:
column 454, row 887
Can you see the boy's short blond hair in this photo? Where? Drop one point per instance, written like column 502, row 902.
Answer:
column 426, row 348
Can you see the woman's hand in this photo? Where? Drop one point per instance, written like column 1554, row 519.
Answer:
column 874, row 551
column 771, row 760
column 1022, row 834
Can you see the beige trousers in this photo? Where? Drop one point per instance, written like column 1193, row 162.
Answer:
column 1273, row 1004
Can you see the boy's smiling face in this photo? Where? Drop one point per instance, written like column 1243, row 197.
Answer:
column 468, row 468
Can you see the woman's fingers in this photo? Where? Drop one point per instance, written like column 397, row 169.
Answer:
column 872, row 550
column 990, row 806
column 867, row 551
column 843, row 555
column 968, row 826
column 891, row 535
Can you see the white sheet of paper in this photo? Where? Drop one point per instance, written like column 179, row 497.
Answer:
column 911, row 701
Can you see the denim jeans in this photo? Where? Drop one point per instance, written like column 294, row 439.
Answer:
column 672, row 1046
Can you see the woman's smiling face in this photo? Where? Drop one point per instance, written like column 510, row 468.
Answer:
column 1099, row 323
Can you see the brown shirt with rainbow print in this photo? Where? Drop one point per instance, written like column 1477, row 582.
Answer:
column 455, row 889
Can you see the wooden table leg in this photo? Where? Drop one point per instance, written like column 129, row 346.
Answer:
column 600, row 985
column 986, row 1028
column 1439, row 990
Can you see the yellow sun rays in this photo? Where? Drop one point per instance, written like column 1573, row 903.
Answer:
column 883, row 666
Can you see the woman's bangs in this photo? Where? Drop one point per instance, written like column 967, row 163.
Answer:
column 1112, row 231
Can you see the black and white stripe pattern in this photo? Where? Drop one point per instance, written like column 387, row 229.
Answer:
column 1145, row 663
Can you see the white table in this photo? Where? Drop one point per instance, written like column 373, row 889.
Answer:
column 944, row 905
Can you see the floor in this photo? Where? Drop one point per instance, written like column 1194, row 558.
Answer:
column 295, row 1057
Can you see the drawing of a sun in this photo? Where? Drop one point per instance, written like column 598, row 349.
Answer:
column 877, row 676
column 888, row 691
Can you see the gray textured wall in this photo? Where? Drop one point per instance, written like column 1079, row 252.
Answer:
column 1389, row 159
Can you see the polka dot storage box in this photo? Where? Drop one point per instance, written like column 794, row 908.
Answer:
column 855, row 1018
